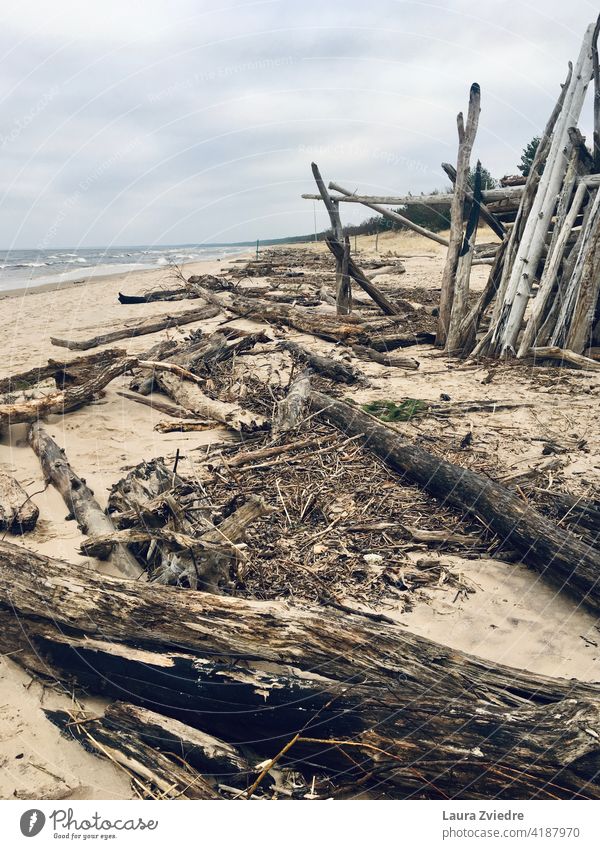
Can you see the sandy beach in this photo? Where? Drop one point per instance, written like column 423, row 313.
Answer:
column 511, row 616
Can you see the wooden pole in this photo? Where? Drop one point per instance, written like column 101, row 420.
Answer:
column 497, row 226
column 344, row 290
column 393, row 216
column 533, row 241
column 466, row 138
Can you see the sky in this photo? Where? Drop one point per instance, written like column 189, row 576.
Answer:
column 144, row 122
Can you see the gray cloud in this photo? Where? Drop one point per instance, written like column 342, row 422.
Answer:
column 170, row 122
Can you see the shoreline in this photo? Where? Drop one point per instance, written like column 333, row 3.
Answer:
column 61, row 285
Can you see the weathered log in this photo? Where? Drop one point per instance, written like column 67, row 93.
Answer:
column 79, row 499
column 218, row 761
column 529, row 253
column 366, row 697
column 190, row 396
column 466, row 139
column 554, row 552
column 333, row 369
column 77, row 370
column 162, row 406
column 184, row 426
column 511, row 194
column 343, row 284
column 64, row 402
column 563, row 355
column 180, row 294
column 363, row 281
column 141, row 328
column 460, row 304
column 389, row 360
column 291, row 411
column 124, row 745
column 393, row 216
column 18, row 513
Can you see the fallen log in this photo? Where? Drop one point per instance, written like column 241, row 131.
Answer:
column 335, row 370
column 180, row 294
column 190, row 396
column 64, row 402
column 124, row 745
column 562, row 356
column 141, row 328
column 554, row 552
column 365, row 697
column 291, row 410
column 78, row 370
column 79, row 499
column 389, row 360
column 18, row 513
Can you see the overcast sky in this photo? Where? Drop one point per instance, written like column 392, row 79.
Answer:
column 127, row 122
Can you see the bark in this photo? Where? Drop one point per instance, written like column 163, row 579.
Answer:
column 79, row 499
column 18, row 513
column 557, row 554
column 466, row 139
column 365, row 697
column 151, row 325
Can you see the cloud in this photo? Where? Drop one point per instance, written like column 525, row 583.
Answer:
column 143, row 122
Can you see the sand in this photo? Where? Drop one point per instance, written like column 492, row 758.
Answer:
column 513, row 617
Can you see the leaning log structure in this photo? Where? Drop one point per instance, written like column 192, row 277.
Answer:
column 544, row 289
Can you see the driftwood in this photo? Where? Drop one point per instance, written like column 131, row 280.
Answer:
column 554, row 552
column 510, row 194
column 79, row 499
column 393, row 216
column 180, row 294
column 123, row 743
column 141, row 328
column 190, row 396
column 563, row 355
column 18, row 513
column 291, row 411
column 367, row 698
column 333, row 369
column 184, row 426
column 69, row 399
column 162, row 406
column 363, row 281
column 77, row 370
column 466, row 139
column 389, row 360
column 498, row 228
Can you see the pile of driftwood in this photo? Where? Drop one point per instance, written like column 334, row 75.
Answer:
column 542, row 298
column 219, row 688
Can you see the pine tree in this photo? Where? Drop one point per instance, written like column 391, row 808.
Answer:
column 528, row 156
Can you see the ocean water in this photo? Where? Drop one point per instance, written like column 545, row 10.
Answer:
column 22, row 269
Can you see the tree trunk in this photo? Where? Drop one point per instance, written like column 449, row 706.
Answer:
column 150, row 325
column 554, row 552
column 79, row 499
column 365, row 697
column 466, row 138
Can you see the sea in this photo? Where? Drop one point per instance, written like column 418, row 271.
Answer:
column 25, row 268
